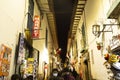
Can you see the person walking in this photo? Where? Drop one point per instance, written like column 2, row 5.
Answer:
column 55, row 75
column 67, row 75
column 75, row 74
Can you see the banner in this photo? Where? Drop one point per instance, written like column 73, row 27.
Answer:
column 36, row 27
column 21, row 49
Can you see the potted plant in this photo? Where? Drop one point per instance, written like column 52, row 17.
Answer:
column 99, row 45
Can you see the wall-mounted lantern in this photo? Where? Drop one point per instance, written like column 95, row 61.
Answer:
column 97, row 31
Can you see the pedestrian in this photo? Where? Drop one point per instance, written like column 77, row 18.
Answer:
column 75, row 74
column 54, row 75
column 67, row 75
column 15, row 77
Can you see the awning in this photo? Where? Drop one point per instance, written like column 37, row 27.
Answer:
column 114, row 10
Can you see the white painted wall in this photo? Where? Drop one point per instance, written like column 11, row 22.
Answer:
column 95, row 12
column 12, row 13
column 40, row 43
column 13, row 19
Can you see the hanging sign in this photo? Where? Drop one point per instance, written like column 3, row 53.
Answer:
column 21, row 49
column 36, row 27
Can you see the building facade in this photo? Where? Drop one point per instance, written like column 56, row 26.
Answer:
column 104, row 14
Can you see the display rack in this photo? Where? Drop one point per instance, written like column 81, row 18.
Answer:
column 115, row 50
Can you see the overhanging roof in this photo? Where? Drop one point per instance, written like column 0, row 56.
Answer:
column 114, row 10
column 46, row 7
column 77, row 13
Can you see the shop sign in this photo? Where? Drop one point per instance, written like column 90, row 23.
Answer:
column 36, row 27
column 21, row 49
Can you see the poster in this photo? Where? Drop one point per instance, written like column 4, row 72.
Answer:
column 30, row 66
column 5, row 54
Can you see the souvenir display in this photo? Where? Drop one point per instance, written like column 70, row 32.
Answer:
column 117, row 76
column 26, row 58
column 116, row 65
column 30, row 66
column 113, row 57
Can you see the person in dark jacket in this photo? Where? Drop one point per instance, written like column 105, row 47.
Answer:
column 75, row 74
column 67, row 75
column 54, row 75
column 15, row 77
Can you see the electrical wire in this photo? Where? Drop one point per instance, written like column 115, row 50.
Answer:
column 25, row 14
column 28, row 13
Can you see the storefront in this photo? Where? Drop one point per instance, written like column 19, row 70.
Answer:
column 26, row 58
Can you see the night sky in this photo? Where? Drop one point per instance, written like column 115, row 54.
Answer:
column 63, row 13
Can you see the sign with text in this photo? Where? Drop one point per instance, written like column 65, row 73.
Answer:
column 36, row 27
column 21, row 49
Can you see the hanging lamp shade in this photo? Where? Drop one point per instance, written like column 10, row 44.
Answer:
column 96, row 29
